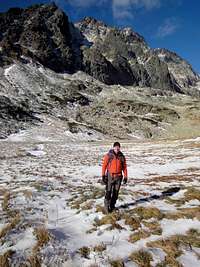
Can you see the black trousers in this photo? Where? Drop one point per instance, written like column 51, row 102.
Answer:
column 112, row 191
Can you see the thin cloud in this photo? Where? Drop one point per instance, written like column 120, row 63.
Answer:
column 124, row 9
column 169, row 27
column 84, row 3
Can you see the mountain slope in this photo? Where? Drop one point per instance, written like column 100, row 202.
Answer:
column 94, row 79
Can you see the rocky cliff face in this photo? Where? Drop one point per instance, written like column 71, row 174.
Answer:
column 44, row 34
column 41, row 33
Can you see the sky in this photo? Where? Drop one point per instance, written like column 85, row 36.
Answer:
column 171, row 24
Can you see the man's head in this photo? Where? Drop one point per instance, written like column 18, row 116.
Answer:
column 116, row 147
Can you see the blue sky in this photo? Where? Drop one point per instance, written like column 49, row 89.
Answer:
column 171, row 24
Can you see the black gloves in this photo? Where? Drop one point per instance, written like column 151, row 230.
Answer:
column 125, row 180
column 104, row 179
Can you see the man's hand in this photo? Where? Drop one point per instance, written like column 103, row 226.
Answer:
column 125, row 180
column 104, row 179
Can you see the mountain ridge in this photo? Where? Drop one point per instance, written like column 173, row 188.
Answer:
column 111, row 55
column 97, row 80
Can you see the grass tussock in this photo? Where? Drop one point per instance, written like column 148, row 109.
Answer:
column 192, row 193
column 85, row 252
column 4, row 259
column 132, row 222
column 141, row 258
column 148, row 213
column 154, row 227
column 100, row 208
column 6, row 200
column 88, row 205
column 111, row 218
column 100, row 248
column 34, row 261
column 141, row 234
column 42, row 236
column 10, row 226
column 173, row 246
column 188, row 213
column 28, row 194
column 117, row 263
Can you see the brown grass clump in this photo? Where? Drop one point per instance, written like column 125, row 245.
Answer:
column 173, row 245
column 132, row 222
column 42, row 236
column 28, row 194
column 85, row 252
column 148, row 213
column 192, row 193
column 6, row 200
column 188, row 213
column 141, row 258
column 4, row 259
column 100, row 209
column 34, row 261
column 154, row 227
column 88, row 205
column 117, row 263
column 99, row 248
column 10, row 226
column 138, row 235
column 111, row 218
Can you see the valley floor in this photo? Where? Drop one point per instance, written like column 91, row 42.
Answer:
column 51, row 211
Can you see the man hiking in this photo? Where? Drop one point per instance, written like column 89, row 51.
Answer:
column 114, row 163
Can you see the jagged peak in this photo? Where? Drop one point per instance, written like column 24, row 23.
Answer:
column 91, row 21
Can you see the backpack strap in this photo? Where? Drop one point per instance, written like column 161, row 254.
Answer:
column 121, row 158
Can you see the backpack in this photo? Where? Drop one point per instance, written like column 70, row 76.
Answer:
column 120, row 156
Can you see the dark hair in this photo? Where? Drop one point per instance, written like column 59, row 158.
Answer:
column 116, row 144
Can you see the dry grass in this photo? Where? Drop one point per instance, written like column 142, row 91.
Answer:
column 28, row 194
column 141, row 234
column 173, row 245
column 132, row 222
column 85, row 252
column 10, row 226
column 117, row 263
column 141, row 258
column 6, row 200
column 188, row 213
column 169, row 178
column 192, row 193
column 88, row 205
column 147, row 213
column 154, row 227
column 4, row 259
column 111, row 218
column 100, row 209
column 34, row 261
column 99, row 248
column 42, row 236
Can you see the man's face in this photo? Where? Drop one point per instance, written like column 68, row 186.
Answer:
column 116, row 149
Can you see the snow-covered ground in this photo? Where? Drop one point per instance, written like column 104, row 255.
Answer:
column 56, row 185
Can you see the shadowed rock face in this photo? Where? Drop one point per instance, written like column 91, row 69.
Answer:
column 43, row 34
column 40, row 32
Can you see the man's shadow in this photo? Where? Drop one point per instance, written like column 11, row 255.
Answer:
column 168, row 192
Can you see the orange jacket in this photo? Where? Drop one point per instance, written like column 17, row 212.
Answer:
column 114, row 164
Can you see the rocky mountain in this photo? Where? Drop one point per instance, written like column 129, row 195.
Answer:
column 95, row 79
column 113, row 56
